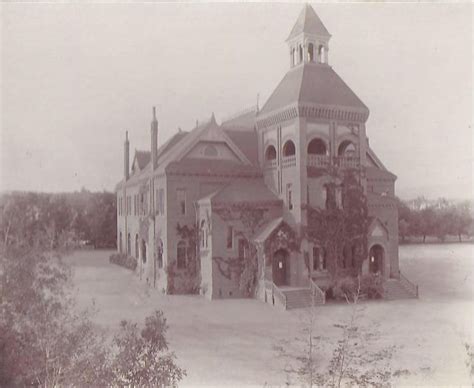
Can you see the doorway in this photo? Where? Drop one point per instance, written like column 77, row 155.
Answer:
column 279, row 268
column 376, row 256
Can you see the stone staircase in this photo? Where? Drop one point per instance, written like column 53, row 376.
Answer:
column 294, row 297
column 399, row 289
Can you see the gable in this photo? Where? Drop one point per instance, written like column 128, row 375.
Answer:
column 378, row 230
column 212, row 150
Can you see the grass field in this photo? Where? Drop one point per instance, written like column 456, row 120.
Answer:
column 231, row 342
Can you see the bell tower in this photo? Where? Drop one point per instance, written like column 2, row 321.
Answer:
column 309, row 39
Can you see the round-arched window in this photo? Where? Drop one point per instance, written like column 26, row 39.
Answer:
column 289, row 148
column 346, row 148
column 317, row 147
column 270, row 153
column 210, row 151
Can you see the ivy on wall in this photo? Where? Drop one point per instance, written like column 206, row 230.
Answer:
column 341, row 229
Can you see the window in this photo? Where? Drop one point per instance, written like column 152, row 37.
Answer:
column 142, row 204
column 137, row 252
column 289, row 148
column 230, row 237
column 322, row 54
column 120, row 242
column 316, row 258
column 160, row 255
column 310, row 52
column 210, row 151
column 270, row 153
column 143, row 251
column 317, row 147
column 323, row 259
column 289, row 196
column 243, row 249
column 347, row 149
column 181, row 195
column 129, row 245
column 181, row 255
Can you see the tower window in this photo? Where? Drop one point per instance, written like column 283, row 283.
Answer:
column 270, row 153
column 322, row 54
column 289, row 148
column 346, row 148
column 310, row 52
column 300, row 54
column 317, row 147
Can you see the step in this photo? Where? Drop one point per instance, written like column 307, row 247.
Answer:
column 394, row 289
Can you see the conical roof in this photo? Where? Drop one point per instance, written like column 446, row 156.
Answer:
column 308, row 22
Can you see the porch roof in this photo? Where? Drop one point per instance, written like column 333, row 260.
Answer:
column 265, row 231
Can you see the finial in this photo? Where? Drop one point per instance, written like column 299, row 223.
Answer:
column 258, row 98
column 213, row 117
column 126, row 135
column 154, row 113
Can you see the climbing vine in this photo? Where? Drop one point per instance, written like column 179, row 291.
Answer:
column 338, row 229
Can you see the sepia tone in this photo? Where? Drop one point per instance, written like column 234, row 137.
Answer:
column 236, row 194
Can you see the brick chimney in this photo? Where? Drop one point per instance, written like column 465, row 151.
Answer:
column 126, row 157
column 154, row 140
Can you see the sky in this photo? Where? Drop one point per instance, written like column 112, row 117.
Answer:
column 75, row 77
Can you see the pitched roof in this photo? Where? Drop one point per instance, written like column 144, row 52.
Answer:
column 194, row 166
column 143, row 158
column 312, row 83
column 244, row 119
column 247, row 142
column 309, row 22
column 267, row 229
column 255, row 191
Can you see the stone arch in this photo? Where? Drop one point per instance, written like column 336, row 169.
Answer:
column 270, row 152
column 317, row 146
column 322, row 54
column 280, row 266
column 289, row 148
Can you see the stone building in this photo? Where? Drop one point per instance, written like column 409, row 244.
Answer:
column 272, row 203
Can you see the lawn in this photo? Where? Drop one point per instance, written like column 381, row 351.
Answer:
column 231, row 342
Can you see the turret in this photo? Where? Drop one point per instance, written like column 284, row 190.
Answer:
column 154, row 140
column 126, row 157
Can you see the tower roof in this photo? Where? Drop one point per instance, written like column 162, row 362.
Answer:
column 312, row 84
column 308, row 22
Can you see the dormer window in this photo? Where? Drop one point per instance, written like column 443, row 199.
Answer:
column 270, row 153
column 310, row 52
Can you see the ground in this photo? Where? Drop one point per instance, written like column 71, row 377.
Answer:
column 231, row 342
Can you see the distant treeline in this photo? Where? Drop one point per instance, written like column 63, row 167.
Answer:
column 89, row 219
column 67, row 219
column 439, row 219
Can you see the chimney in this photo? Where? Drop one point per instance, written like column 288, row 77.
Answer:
column 154, row 140
column 126, row 157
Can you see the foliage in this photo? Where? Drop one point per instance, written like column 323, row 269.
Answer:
column 438, row 219
column 336, row 228
column 124, row 260
column 357, row 359
column 46, row 341
column 142, row 358
column 70, row 219
column 371, row 285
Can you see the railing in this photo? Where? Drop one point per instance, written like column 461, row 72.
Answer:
column 347, row 161
column 318, row 160
column 288, row 161
column 270, row 163
column 276, row 293
column 317, row 293
column 412, row 287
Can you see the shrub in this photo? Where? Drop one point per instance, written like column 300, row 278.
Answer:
column 372, row 286
column 345, row 288
column 124, row 260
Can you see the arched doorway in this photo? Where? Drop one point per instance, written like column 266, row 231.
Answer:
column 376, row 257
column 280, row 267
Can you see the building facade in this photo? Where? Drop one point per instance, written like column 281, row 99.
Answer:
column 276, row 200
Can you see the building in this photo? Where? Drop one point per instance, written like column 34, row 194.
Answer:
column 271, row 203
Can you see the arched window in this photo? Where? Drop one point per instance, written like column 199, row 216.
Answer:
column 346, row 148
column 143, row 251
column 300, row 54
column 210, row 151
column 310, row 52
column 270, row 153
column 289, row 148
column 317, row 147
column 120, row 242
column 181, row 255
column 137, row 252
column 129, row 245
column 322, row 54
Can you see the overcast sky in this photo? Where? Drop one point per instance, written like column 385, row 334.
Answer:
column 75, row 77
